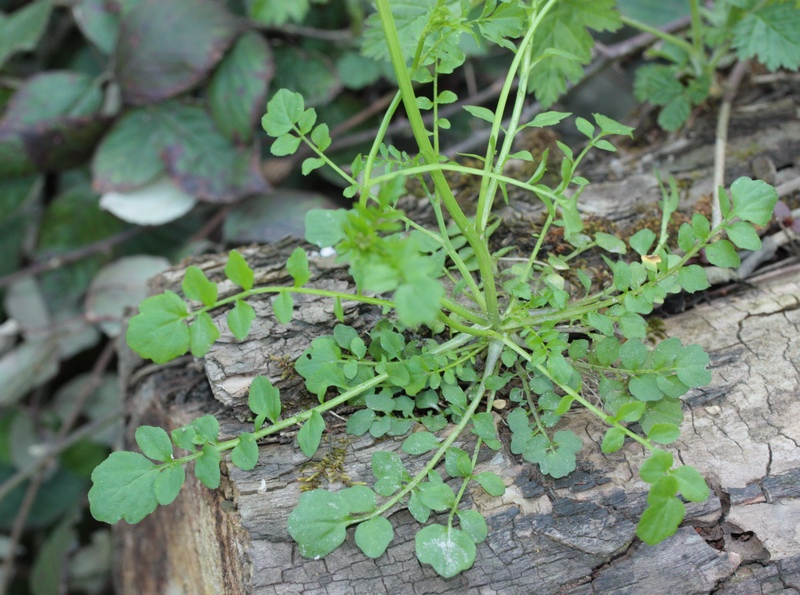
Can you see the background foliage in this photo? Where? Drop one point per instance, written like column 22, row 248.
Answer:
column 130, row 138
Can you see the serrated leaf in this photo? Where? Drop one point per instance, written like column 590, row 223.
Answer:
column 196, row 286
column 374, row 536
column 238, row 271
column 310, row 434
column 159, row 332
column 168, row 484
column 448, row 550
column 123, row 487
column 771, row 33
column 240, row 318
column 206, row 468
column 202, row 334
column 154, row 443
column 245, row 454
column 264, row 398
column 564, row 29
column 283, row 307
column 319, row 523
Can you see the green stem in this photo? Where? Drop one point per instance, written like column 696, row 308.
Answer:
column 492, row 358
column 572, row 393
column 662, row 35
column 697, row 27
column 523, row 55
column 429, row 156
column 376, row 145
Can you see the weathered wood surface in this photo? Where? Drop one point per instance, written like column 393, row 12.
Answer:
column 574, row 535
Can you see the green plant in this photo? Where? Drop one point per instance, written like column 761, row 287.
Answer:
column 768, row 30
column 522, row 328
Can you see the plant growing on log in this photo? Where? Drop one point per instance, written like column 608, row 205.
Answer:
column 519, row 327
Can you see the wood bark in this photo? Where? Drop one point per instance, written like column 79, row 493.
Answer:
column 573, row 535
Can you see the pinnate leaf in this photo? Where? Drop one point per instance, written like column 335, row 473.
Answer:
column 448, row 550
column 310, row 434
column 202, row 334
column 238, row 271
column 264, row 398
column 240, row 319
column 297, row 267
column 319, row 523
column 168, row 483
column 196, row 286
column 245, row 454
column 123, row 488
column 206, row 467
column 159, row 332
column 771, row 33
column 154, row 443
column 753, row 200
column 374, row 536
column 283, row 112
column 691, row 484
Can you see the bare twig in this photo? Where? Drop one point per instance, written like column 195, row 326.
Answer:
column 723, row 119
column 60, row 260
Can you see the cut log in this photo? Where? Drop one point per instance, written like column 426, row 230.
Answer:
column 573, row 535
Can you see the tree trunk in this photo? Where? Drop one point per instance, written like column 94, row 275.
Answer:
column 572, row 535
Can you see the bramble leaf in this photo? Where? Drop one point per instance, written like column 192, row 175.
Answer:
column 448, row 550
column 319, row 523
column 374, row 536
column 154, row 443
column 240, row 319
column 310, row 434
column 196, row 286
column 123, row 487
column 159, row 332
column 238, row 271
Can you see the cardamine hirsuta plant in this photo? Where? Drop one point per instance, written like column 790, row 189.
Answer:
column 520, row 330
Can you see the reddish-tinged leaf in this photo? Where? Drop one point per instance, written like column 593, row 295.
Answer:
column 165, row 48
